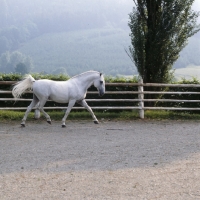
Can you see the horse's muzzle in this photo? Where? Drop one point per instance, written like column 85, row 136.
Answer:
column 101, row 93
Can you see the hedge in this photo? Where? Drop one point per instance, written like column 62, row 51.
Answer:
column 17, row 77
column 108, row 79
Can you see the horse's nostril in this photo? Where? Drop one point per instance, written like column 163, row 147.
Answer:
column 101, row 94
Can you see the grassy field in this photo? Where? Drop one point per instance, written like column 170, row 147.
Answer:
column 188, row 72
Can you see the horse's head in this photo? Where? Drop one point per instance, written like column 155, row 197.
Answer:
column 99, row 83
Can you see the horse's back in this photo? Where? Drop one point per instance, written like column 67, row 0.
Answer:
column 58, row 91
column 43, row 86
column 46, row 86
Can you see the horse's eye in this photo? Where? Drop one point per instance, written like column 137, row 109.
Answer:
column 101, row 82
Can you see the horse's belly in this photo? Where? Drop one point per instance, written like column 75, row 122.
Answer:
column 59, row 99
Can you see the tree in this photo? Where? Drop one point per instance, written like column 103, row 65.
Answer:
column 9, row 62
column 159, row 31
column 21, row 68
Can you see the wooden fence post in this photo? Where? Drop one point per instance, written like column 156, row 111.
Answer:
column 141, row 97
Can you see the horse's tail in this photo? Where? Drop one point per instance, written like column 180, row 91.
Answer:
column 21, row 86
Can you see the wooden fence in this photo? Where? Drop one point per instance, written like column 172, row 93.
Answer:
column 139, row 91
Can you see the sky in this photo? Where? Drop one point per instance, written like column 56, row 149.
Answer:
column 197, row 4
column 196, row 7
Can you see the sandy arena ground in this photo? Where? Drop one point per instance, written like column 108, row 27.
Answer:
column 115, row 160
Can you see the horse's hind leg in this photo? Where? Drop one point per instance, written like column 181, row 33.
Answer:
column 84, row 104
column 40, row 108
column 33, row 103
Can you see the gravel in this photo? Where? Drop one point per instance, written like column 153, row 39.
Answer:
column 139, row 159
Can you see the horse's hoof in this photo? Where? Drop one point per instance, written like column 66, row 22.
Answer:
column 96, row 122
column 63, row 126
column 22, row 125
column 49, row 122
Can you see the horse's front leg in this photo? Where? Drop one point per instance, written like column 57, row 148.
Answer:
column 70, row 105
column 84, row 104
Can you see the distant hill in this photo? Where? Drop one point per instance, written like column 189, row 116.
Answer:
column 78, row 51
column 188, row 72
column 190, row 55
column 188, row 64
column 75, row 36
column 97, row 49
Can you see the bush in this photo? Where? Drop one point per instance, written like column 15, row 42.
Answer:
column 17, row 77
column 182, row 96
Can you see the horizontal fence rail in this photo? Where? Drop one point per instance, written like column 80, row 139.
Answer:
column 137, row 97
column 114, row 100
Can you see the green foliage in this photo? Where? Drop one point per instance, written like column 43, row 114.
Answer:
column 10, row 77
column 182, row 96
column 17, row 77
column 159, row 31
column 64, row 77
column 121, row 79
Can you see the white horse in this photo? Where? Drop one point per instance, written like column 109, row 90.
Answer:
column 71, row 91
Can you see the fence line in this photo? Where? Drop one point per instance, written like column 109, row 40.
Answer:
column 122, row 92
column 118, row 100
column 128, row 84
column 140, row 92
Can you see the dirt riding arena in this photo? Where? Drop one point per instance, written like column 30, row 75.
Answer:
column 115, row 160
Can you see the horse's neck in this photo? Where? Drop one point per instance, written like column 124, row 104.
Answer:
column 87, row 80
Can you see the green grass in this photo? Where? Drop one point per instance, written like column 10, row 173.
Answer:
column 84, row 115
column 74, row 115
column 171, row 115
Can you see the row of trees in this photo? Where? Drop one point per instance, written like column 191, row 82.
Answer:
column 15, row 62
column 21, row 64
